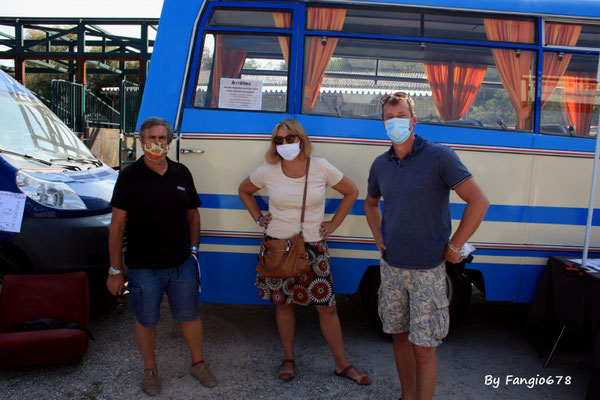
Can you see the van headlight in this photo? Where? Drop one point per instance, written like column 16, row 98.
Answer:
column 50, row 194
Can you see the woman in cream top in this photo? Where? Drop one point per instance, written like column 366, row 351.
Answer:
column 283, row 178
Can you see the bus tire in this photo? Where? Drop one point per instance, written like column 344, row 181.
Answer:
column 458, row 289
column 368, row 297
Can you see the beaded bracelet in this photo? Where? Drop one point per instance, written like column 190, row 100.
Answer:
column 258, row 220
column 452, row 247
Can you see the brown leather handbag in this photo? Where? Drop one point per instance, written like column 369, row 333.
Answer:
column 285, row 258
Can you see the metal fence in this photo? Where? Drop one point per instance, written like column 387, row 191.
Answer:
column 79, row 108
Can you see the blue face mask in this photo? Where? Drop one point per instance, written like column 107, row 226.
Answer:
column 398, row 129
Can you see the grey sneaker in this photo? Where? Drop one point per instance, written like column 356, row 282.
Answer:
column 151, row 382
column 201, row 371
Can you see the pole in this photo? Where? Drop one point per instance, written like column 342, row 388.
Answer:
column 588, row 226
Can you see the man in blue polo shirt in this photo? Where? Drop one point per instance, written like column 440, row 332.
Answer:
column 415, row 177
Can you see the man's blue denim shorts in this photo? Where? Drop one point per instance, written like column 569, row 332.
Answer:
column 147, row 287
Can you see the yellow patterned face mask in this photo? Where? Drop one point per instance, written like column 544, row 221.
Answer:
column 155, row 152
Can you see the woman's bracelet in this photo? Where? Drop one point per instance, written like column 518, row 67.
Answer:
column 258, row 220
column 194, row 249
column 453, row 247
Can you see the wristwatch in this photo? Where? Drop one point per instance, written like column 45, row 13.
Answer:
column 114, row 271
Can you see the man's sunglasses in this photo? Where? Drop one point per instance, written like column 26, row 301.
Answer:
column 289, row 139
column 397, row 96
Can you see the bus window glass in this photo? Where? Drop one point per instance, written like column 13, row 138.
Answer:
column 578, row 35
column 368, row 21
column 243, row 72
column 453, row 85
column 471, row 28
column 250, row 18
column 570, row 99
column 419, row 24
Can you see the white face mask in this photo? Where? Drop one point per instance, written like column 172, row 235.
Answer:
column 288, row 151
column 398, row 129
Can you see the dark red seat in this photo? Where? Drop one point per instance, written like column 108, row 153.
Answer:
column 63, row 297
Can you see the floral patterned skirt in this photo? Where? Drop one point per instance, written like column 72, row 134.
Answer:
column 315, row 288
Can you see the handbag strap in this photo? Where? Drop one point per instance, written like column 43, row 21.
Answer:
column 304, row 195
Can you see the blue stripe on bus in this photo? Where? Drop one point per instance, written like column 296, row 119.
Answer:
column 496, row 213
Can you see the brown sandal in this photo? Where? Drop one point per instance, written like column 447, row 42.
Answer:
column 360, row 379
column 286, row 373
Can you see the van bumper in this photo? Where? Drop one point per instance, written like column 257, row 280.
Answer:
column 65, row 244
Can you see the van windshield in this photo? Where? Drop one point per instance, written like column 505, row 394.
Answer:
column 29, row 127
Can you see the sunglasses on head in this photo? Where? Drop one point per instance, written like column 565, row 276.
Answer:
column 289, row 139
column 397, row 96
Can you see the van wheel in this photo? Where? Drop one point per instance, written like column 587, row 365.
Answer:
column 9, row 264
column 458, row 290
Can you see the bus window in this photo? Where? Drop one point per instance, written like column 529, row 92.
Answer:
column 572, row 35
column 569, row 94
column 411, row 23
column 243, row 72
column 250, row 18
column 465, row 85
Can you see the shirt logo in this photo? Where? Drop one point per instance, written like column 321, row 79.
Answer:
column 181, row 188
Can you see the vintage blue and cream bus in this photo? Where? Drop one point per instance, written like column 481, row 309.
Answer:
column 510, row 85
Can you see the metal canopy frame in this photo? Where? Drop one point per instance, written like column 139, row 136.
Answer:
column 69, row 43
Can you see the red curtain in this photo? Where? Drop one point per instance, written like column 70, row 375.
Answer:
column 454, row 87
column 514, row 67
column 228, row 64
column 580, row 95
column 284, row 20
column 555, row 65
column 317, row 53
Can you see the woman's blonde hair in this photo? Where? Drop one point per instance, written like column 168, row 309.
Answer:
column 293, row 127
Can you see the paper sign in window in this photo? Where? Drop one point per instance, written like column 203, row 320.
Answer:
column 240, row 94
column 12, row 206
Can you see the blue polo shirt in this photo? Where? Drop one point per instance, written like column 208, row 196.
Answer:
column 416, row 202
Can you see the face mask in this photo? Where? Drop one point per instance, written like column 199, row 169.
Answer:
column 289, row 151
column 398, row 129
column 155, row 152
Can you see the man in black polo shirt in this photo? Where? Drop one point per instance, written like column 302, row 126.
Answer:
column 156, row 202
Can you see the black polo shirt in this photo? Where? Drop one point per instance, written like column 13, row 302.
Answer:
column 157, row 229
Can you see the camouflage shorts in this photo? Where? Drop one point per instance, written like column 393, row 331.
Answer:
column 414, row 300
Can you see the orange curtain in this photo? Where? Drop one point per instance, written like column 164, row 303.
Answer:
column 228, row 64
column 283, row 20
column 318, row 54
column 580, row 95
column 454, row 87
column 555, row 65
column 514, row 67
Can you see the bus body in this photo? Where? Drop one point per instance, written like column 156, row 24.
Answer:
column 224, row 73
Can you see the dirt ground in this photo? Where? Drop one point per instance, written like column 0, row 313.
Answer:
column 491, row 355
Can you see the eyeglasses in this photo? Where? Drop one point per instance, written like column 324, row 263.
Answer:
column 397, row 96
column 289, row 139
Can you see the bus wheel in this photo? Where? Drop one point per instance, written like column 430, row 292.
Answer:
column 458, row 289
column 368, row 297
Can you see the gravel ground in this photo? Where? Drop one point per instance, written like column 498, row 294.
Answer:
column 242, row 344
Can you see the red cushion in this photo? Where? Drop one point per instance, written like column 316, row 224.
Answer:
column 29, row 297
column 52, row 346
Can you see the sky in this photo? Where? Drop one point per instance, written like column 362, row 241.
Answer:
column 81, row 8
